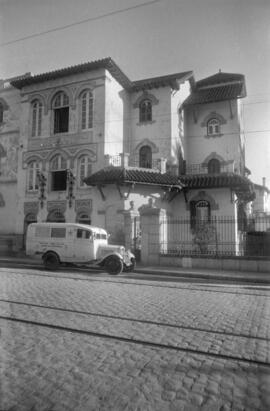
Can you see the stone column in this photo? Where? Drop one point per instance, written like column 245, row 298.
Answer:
column 129, row 226
column 154, row 233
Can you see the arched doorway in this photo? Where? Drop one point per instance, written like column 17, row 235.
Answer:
column 55, row 216
column 145, row 157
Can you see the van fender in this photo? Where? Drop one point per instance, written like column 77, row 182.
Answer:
column 102, row 261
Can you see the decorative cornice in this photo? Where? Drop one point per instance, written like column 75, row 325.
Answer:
column 56, row 205
column 212, row 115
column 202, row 195
column 145, row 96
column 30, row 207
column 146, row 142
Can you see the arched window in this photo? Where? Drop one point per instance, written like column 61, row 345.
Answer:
column 1, row 113
column 58, row 168
column 85, row 169
column 86, row 110
column 36, row 118
column 145, row 111
column 200, row 213
column 55, row 216
column 32, row 176
column 83, row 218
column 61, row 112
column 145, row 157
column 213, row 127
column 213, row 166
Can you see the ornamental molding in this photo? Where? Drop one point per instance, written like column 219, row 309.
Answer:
column 4, row 104
column 30, row 207
column 55, row 91
column 146, row 96
column 202, row 195
column 40, row 97
column 65, row 140
column 3, row 152
column 146, row 142
column 60, row 206
column 2, row 201
column 85, row 86
column 215, row 156
column 83, row 205
column 212, row 115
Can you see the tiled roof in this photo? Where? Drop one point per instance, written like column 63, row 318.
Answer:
column 108, row 64
column 169, row 80
column 220, row 77
column 221, row 93
column 112, row 175
column 216, row 180
column 219, row 87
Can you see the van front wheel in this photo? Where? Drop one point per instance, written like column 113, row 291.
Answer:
column 51, row 261
column 114, row 265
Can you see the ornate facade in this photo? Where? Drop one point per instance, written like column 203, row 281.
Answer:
column 61, row 129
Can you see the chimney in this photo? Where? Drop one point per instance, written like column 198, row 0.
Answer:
column 264, row 181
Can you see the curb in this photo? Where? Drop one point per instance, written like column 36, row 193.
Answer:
column 164, row 273
column 200, row 275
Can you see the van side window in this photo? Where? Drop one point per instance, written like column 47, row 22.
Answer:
column 58, row 232
column 83, row 233
column 42, row 231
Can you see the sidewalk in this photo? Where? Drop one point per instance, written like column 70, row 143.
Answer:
column 248, row 276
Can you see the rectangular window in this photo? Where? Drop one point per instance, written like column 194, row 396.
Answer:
column 61, row 120
column 83, row 233
column 42, row 231
column 59, row 180
column 58, row 232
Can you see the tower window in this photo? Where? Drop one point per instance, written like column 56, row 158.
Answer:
column 145, row 111
column 213, row 127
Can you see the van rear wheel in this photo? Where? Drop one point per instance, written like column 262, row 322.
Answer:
column 114, row 265
column 51, row 261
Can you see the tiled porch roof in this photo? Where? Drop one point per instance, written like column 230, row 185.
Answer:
column 121, row 175
column 216, row 180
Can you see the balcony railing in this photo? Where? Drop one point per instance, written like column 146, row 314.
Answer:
column 204, row 169
column 160, row 164
column 127, row 161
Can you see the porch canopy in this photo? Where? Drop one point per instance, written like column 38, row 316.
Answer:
column 120, row 176
column 132, row 175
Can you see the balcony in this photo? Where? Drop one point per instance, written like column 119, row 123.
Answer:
column 125, row 160
column 161, row 165
column 207, row 168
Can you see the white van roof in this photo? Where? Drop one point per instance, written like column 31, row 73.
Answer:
column 74, row 225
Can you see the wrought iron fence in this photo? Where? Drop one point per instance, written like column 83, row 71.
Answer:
column 218, row 236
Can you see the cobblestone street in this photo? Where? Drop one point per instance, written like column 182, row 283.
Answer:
column 72, row 341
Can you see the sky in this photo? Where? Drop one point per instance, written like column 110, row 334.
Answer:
column 148, row 38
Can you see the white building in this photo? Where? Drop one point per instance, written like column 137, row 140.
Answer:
column 165, row 143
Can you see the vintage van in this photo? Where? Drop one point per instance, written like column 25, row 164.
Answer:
column 79, row 244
